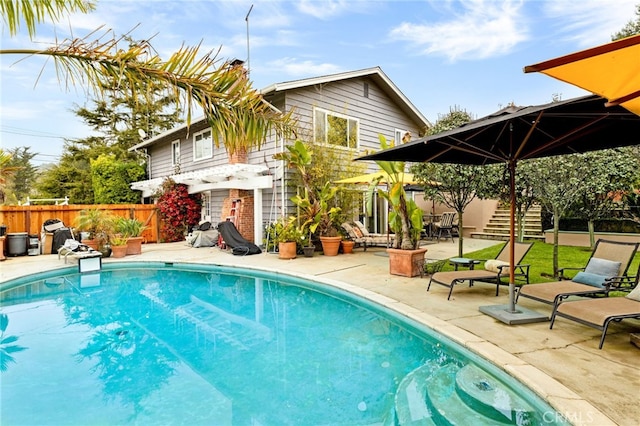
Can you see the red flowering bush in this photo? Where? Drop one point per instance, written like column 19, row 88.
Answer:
column 179, row 210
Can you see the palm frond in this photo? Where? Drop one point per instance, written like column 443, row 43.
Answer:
column 35, row 12
column 237, row 113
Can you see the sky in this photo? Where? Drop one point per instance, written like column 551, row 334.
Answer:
column 442, row 54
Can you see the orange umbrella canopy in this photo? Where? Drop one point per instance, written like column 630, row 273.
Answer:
column 611, row 70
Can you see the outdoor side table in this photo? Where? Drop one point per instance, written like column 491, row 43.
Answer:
column 463, row 261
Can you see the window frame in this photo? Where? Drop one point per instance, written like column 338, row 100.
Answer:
column 325, row 126
column 202, row 138
column 175, row 153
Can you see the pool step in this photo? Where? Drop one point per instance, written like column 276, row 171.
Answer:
column 410, row 402
column 448, row 407
column 451, row 395
column 485, row 394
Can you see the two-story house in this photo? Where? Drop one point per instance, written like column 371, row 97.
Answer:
column 358, row 105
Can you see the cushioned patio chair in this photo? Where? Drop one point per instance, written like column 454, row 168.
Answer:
column 494, row 270
column 379, row 240
column 605, row 271
column 354, row 236
column 600, row 313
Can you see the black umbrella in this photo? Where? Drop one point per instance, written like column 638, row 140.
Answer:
column 516, row 133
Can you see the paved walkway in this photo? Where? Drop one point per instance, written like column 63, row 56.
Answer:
column 589, row 386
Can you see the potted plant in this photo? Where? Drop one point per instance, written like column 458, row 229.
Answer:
column 118, row 245
column 314, row 205
column 347, row 245
column 405, row 219
column 131, row 228
column 100, row 224
column 289, row 237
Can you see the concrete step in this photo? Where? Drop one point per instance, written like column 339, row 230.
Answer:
column 503, row 236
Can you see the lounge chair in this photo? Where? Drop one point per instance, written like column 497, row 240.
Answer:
column 605, row 271
column 354, row 236
column 380, row 240
column 493, row 272
column 599, row 313
column 71, row 249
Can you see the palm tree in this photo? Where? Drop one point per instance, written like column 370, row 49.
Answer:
column 237, row 113
column 6, row 172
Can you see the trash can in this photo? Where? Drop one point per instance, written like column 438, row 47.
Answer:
column 17, row 244
column 34, row 245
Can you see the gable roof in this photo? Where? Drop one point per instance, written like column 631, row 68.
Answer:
column 375, row 73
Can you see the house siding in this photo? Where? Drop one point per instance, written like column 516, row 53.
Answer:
column 377, row 114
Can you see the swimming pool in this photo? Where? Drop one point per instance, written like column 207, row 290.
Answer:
column 161, row 343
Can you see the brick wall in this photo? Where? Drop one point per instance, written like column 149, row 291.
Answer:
column 244, row 215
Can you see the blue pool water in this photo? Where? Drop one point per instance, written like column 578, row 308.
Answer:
column 204, row 345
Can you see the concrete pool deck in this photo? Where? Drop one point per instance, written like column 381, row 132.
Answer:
column 564, row 365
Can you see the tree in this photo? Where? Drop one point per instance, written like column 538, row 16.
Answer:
column 25, row 173
column 631, row 28
column 611, row 173
column 7, row 172
column 71, row 177
column 117, row 119
column 111, row 180
column 558, row 181
column 457, row 184
column 237, row 113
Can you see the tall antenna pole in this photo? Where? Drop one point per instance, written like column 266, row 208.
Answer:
column 248, row 60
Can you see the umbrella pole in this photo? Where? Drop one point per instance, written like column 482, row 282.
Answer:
column 512, row 236
column 508, row 313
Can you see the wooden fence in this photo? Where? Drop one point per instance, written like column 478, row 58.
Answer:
column 30, row 219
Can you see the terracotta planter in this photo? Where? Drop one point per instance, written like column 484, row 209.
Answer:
column 330, row 245
column 91, row 243
column 406, row 262
column 118, row 251
column 347, row 246
column 287, row 250
column 134, row 245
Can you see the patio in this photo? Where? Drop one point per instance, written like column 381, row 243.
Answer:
column 589, row 386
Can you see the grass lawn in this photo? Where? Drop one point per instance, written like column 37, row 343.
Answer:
column 540, row 257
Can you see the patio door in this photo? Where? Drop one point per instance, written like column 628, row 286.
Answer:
column 376, row 220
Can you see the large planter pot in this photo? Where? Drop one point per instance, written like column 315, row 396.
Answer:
column 287, row 250
column 347, row 246
column 406, row 262
column 134, row 245
column 118, row 251
column 330, row 245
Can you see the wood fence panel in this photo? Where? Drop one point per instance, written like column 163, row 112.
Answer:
column 30, row 218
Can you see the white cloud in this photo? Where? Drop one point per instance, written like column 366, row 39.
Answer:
column 482, row 29
column 326, row 9
column 300, row 69
column 591, row 22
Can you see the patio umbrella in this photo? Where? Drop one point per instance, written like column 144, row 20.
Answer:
column 611, row 70
column 367, row 178
column 515, row 133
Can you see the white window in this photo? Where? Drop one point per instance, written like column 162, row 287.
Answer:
column 335, row 129
column 206, row 206
column 202, row 145
column 399, row 136
column 175, row 153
